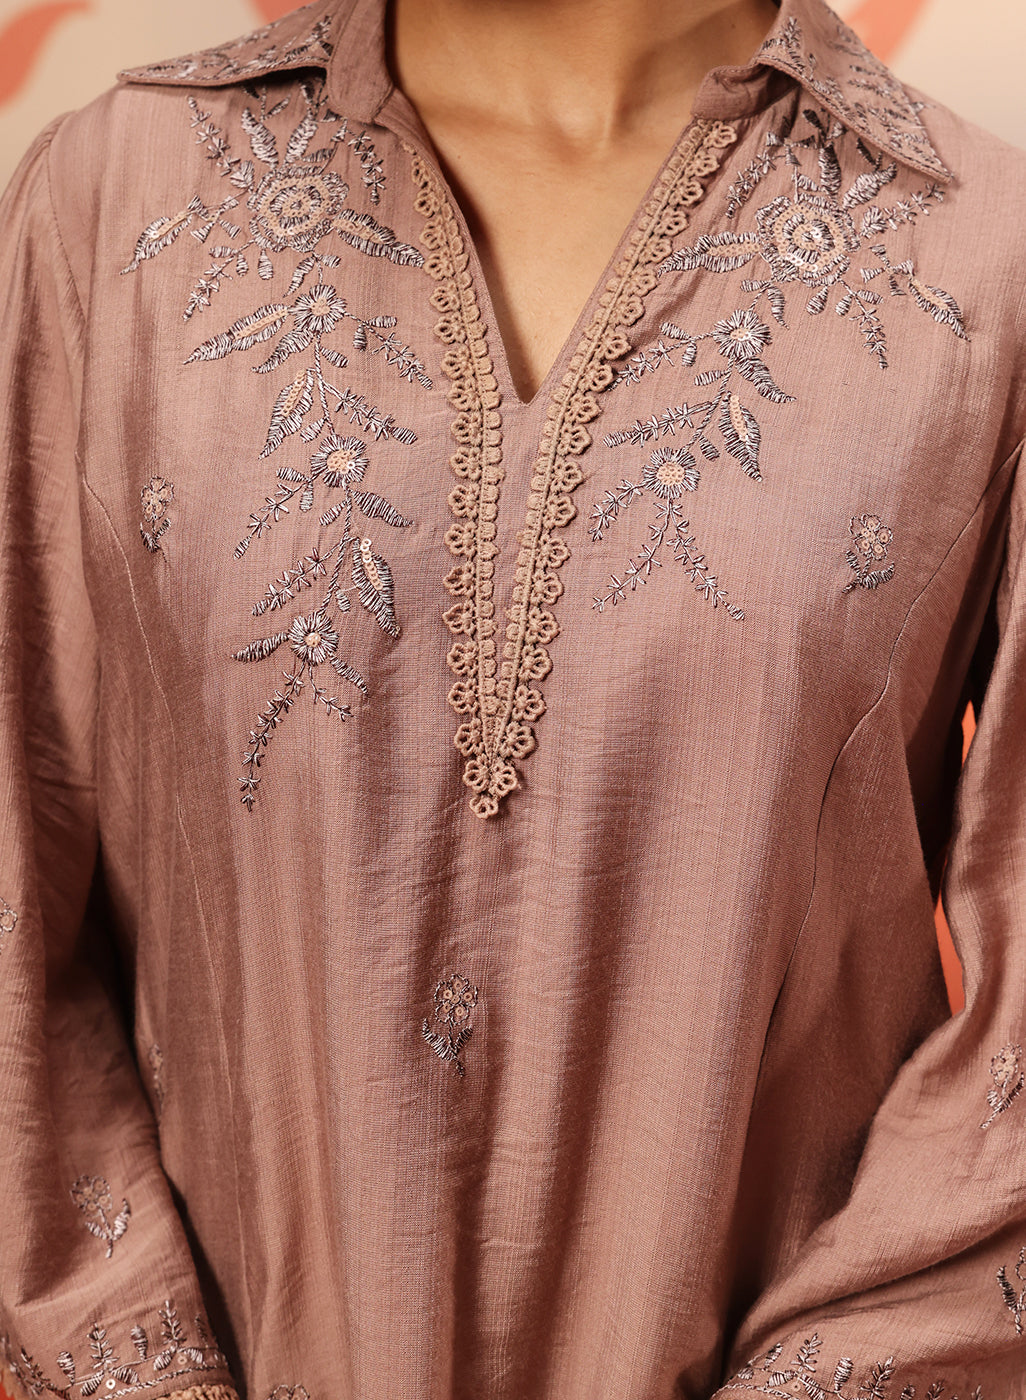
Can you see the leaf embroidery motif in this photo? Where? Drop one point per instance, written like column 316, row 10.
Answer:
column 1015, row 1302
column 766, row 1374
column 806, row 241
column 108, row 1374
column 260, row 51
column 297, row 204
column 668, row 474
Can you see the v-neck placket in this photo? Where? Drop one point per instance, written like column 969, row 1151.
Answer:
column 501, row 634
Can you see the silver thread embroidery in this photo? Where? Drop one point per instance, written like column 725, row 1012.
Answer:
column 93, row 1197
column 1006, row 1070
column 871, row 540
column 765, row 1375
column 669, row 472
column 1014, row 1302
column 880, row 99
column 175, row 1357
column 157, row 495
column 8, row 920
column 257, row 52
column 296, row 204
column 806, row 241
column 455, row 999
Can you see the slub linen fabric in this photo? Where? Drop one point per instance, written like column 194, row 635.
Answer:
column 468, row 865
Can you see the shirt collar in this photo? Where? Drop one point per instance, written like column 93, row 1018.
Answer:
column 808, row 41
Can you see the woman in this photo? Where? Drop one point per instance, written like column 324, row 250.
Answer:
column 506, row 506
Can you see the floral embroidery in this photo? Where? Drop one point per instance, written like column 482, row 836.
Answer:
column 157, row 495
column 877, row 102
column 809, row 238
column 1006, row 1069
column 871, row 540
column 806, row 240
column 289, row 1392
column 497, row 697
column 669, row 472
column 250, row 54
column 455, row 999
column 296, row 204
column 8, row 920
column 1015, row 1302
column 93, row 1197
column 155, row 1058
column 164, row 1360
column 765, row 1375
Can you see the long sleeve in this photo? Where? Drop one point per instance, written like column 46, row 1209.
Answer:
column 99, row 1293
column 917, row 1285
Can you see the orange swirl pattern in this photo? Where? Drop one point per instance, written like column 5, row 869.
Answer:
column 23, row 39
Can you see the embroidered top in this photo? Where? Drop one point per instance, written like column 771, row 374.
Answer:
column 510, row 972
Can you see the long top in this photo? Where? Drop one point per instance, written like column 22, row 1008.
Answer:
column 468, row 864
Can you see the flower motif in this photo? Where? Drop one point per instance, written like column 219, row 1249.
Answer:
column 1007, row 1072
column 341, row 460
column 157, row 495
column 807, row 239
column 872, row 539
column 319, row 310
column 92, row 1193
column 742, row 336
column 454, row 1001
column 669, row 472
column 313, row 639
column 1006, row 1062
column 294, row 206
column 455, row 998
column 8, row 919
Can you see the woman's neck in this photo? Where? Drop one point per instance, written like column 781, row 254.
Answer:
column 575, row 71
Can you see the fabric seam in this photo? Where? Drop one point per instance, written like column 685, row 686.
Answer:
column 188, row 852
column 1008, row 462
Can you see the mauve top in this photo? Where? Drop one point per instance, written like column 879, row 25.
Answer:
column 468, row 864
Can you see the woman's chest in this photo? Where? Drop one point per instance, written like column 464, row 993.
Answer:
column 320, row 473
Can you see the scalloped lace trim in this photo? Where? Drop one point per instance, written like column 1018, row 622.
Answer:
column 496, row 692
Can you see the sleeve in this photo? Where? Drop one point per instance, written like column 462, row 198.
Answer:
column 99, row 1294
column 916, row 1288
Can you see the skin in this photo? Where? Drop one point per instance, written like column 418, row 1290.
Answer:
column 550, row 119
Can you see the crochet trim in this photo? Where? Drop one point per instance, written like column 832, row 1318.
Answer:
column 497, row 698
